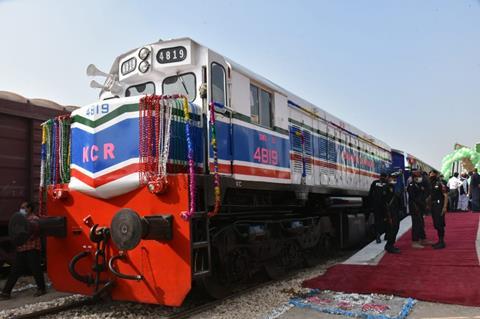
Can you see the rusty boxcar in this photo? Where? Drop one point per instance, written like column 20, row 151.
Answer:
column 20, row 142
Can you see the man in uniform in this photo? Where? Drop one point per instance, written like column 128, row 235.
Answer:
column 392, row 206
column 439, row 202
column 417, row 205
column 475, row 190
column 376, row 197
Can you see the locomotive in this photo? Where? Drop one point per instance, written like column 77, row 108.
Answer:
column 191, row 169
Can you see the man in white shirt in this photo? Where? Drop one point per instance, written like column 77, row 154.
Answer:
column 453, row 185
column 463, row 193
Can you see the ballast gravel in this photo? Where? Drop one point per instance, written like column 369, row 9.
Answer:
column 268, row 301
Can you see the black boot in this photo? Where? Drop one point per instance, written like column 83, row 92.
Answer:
column 392, row 249
column 439, row 245
column 378, row 240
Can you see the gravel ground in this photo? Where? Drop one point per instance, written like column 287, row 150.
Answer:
column 260, row 303
column 270, row 301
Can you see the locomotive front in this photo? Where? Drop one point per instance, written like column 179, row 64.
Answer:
column 122, row 172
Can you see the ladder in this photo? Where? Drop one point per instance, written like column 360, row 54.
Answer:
column 200, row 244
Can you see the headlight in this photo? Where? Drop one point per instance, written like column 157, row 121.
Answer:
column 144, row 53
column 144, row 66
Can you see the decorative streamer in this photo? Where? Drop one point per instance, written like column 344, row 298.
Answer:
column 55, row 152
column 155, row 115
column 191, row 164
column 216, row 176
column 55, row 156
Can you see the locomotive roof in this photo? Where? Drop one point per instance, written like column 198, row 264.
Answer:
column 311, row 108
column 305, row 104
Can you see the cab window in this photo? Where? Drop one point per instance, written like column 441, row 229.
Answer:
column 260, row 106
column 218, row 83
column 147, row 88
column 183, row 84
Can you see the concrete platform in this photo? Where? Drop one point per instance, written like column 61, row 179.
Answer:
column 373, row 252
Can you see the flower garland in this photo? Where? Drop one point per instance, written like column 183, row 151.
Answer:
column 191, row 163
column 216, row 176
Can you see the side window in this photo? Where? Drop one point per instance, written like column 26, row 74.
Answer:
column 218, row 83
column 260, row 106
column 254, row 104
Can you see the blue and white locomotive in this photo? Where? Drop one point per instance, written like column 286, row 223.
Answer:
column 204, row 169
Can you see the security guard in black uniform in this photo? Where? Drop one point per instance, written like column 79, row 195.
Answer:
column 392, row 203
column 438, row 208
column 417, row 204
column 376, row 201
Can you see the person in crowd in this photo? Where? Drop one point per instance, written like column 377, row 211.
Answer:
column 417, row 205
column 392, row 204
column 427, row 187
column 441, row 177
column 463, row 193
column 453, row 186
column 439, row 207
column 375, row 196
column 475, row 190
column 27, row 258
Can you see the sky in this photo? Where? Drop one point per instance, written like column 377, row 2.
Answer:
column 404, row 71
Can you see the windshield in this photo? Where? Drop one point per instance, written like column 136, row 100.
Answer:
column 141, row 89
column 180, row 84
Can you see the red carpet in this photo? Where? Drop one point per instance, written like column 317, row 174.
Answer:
column 450, row 275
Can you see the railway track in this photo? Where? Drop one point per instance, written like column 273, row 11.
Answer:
column 67, row 306
column 195, row 308
column 190, row 311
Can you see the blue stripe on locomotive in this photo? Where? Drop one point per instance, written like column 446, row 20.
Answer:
column 124, row 137
column 327, row 150
column 247, row 141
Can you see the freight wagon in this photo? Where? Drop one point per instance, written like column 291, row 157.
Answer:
column 20, row 142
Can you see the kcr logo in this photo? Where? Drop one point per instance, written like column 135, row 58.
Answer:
column 92, row 153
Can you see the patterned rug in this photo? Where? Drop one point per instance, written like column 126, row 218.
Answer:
column 371, row 306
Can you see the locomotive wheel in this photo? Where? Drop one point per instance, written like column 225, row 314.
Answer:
column 274, row 270
column 289, row 257
column 238, row 262
column 215, row 288
column 323, row 249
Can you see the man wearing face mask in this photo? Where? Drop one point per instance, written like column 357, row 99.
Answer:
column 391, row 201
column 376, row 201
column 417, row 205
column 27, row 257
column 439, row 207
